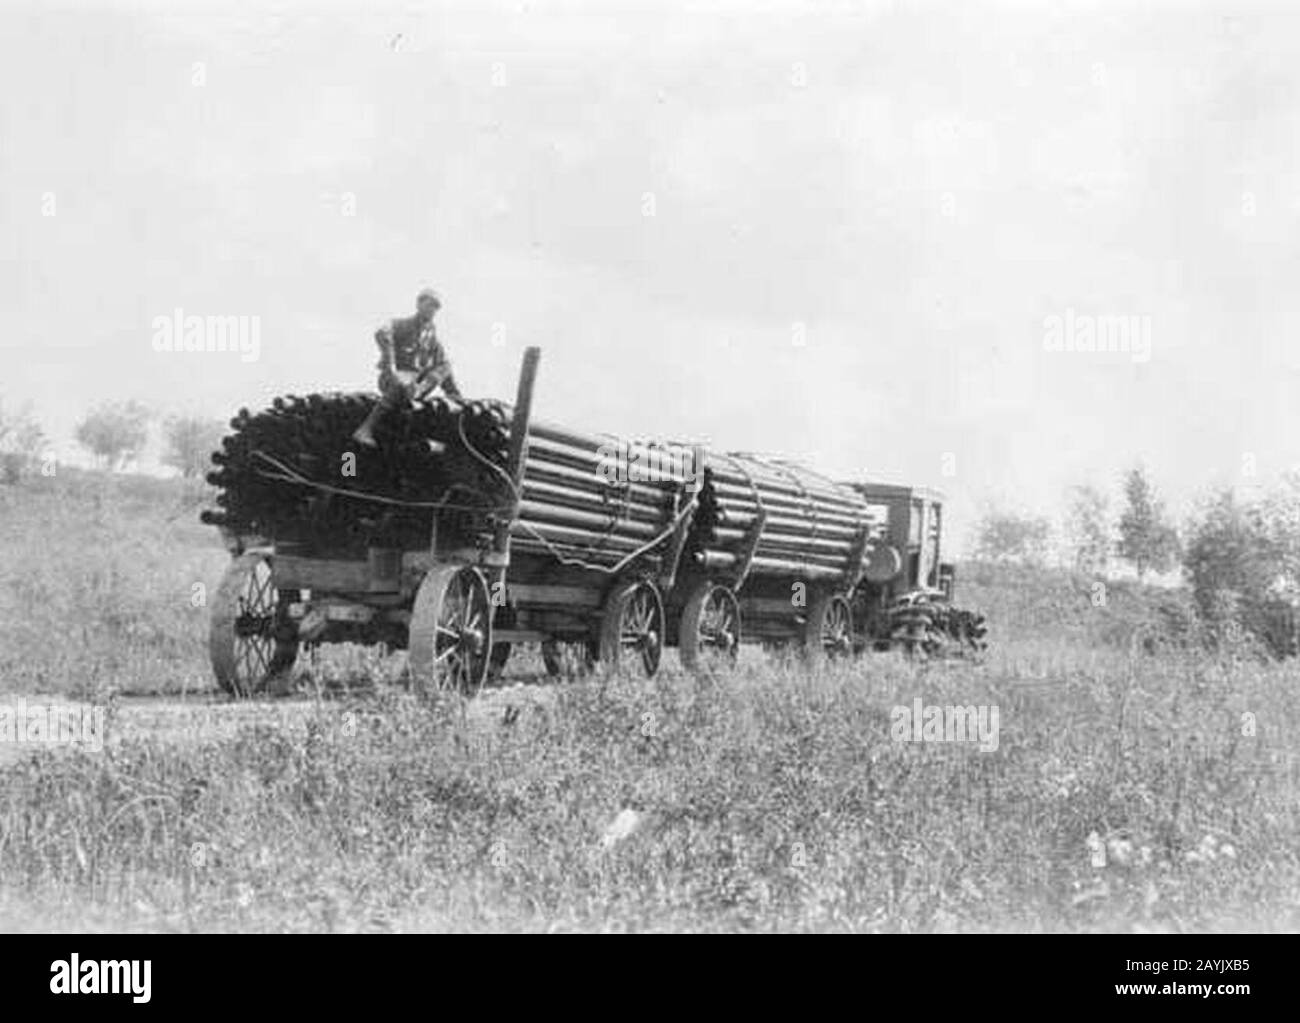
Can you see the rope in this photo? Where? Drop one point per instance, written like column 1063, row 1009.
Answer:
column 551, row 549
column 749, row 478
column 292, row 476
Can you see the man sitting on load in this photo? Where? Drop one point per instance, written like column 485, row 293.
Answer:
column 412, row 363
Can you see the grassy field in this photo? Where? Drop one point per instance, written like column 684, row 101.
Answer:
column 97, row 577
column 1136, row 785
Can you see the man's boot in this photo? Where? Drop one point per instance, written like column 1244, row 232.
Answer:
column 365, row 433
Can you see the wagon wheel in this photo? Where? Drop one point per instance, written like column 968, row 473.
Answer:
column 569, row 658
column 633, row 626
column 451, row 631
column 709, row 633
column 250, row 639
column 829, row 629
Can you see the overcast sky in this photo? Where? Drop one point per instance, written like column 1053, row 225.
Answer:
column 834, row 236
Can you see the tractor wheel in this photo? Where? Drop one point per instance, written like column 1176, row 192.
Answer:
column 829, row 630
column 912, row 630
column 569, row 658
column 250, row 639
column 451, row 632
column 921, row 627
column 632, row 628
column 709, row 632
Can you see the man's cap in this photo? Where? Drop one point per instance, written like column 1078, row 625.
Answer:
column 428, row 293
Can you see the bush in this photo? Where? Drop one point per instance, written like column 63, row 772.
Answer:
column 20, row 442
column 1241, row 560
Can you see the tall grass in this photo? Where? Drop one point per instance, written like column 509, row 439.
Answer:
column 771, row 799
column 1128, row 791
column 97, row 584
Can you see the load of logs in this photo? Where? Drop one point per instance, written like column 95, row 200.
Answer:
column 293, row 474
column 586, row 500
column 762, row 516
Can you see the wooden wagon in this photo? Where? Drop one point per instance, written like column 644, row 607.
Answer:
column 588, row 565
column 568, row 549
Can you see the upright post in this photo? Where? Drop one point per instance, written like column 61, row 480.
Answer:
column 517, row 454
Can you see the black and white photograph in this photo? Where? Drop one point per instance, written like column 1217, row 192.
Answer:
column 609, row 467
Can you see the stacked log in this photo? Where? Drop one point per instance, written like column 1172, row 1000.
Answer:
column 812, row 527
column 598, row 499
column 293, row 474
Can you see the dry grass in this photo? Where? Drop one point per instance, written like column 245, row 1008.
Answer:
column 97, row 573
column 770, row 799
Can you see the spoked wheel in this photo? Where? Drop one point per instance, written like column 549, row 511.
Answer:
column 632, row 630
column 250, row 638
column 829, row 630
column 451, row 632
column 709, row 632
column 569, row 658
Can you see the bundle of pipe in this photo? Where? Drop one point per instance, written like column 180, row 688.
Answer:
column 293, row 473
column 811, row 527
column 596, row 498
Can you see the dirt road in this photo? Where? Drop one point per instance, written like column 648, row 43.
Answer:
column 42, row 719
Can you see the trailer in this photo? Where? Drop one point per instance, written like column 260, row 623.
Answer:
column 785, row 547
column 474, row 528
column 547, row 545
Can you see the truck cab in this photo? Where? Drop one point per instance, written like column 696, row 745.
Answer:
column 913, row 538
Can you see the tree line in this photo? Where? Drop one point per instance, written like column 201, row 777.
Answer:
column 1143, row 536
column 114, row 434
column 1240, row 556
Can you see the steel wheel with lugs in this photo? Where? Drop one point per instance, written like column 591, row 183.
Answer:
column 250, row 638
column 451, row 632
